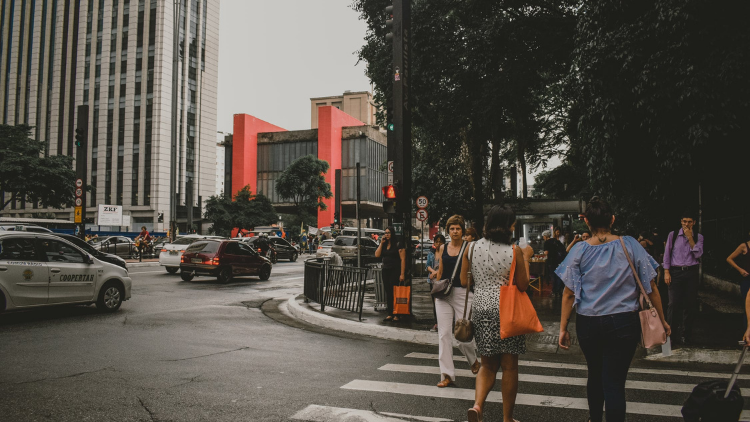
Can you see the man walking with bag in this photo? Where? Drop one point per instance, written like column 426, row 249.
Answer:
column 682, row 253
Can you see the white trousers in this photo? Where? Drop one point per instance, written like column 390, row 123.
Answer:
column 448, row 310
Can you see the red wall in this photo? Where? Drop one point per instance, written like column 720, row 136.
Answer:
column 330, row 122
column 245, row 150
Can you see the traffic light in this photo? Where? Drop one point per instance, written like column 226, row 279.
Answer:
column 389, row 23
column 80, row 137
column 336, row 218
column 390, row 127
column 390, row 194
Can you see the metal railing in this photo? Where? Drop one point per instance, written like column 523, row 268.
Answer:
column 376, row 270
column 341, row 287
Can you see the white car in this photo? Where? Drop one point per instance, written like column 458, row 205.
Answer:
column 171, row 253
column 324, row 248
column 39, row 269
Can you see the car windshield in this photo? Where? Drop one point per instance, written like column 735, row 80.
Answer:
column 327, row 243
column 345, row 241
column 203, row 247
column 184, row 240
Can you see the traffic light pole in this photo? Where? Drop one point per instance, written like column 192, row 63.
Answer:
column 399, row 142
column 82, row 156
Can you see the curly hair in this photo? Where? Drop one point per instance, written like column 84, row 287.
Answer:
column 499, row 221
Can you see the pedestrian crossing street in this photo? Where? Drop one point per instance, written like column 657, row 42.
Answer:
column 534, row 376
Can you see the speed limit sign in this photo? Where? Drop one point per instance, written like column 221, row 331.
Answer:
column 422, row 202
column 421, row 215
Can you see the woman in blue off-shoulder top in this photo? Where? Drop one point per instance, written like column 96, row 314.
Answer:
column 601, row 287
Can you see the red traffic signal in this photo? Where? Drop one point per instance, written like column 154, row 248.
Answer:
column 389, row 192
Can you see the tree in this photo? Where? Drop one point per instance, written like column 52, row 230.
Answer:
column 245, row 212
column 303, row 183
column 25, row 174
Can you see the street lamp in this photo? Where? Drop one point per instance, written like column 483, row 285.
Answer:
column 173, row 158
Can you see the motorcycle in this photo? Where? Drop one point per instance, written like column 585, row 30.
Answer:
column 142, row 248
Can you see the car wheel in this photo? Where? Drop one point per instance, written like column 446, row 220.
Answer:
column 110, row 297
column 225, row 275
column 265, row 273
column 172, row 270
column 293, row 258
column 187, row 275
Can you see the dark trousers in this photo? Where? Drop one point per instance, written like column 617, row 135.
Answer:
column 608, row 342
column 683, row 300
column 390, row 279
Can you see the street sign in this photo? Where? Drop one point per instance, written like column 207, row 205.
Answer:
column 78, row 230
column 390, row 172
column 79, row 192
column 421, row 215
column 422, row 202
column 399, row 227
column 78, row 215
column 79, row 202
column 79, row 183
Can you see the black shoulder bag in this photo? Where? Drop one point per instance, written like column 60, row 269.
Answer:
column 444, row 287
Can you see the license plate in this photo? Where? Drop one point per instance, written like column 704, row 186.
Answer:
column 173, row 252
column 196, row 261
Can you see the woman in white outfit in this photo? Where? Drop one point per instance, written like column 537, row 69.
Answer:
column 451, row 307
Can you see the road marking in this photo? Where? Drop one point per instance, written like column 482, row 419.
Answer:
column 554, row 365
column 546, row 379
column 315, row 413
column 522, row 399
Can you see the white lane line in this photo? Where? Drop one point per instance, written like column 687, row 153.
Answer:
column 555, row 365
column 496, row 397
column 315, row 413
column 546, row 379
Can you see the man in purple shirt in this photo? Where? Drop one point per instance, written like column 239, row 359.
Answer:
column 681, row 258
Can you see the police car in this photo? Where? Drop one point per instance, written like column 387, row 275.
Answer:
column 39, row 269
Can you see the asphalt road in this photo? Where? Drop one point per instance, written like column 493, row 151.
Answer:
column 203, row 351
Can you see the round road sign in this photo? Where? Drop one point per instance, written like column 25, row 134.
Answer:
column 79, row 183
column 422, row 215
column 79, row 202
column 422, row 202
column 79, row 192
column 390, row 166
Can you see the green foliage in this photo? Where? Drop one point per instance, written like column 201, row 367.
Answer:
column 26, row 173
column 663, row 95
column 563, row 182
column 245, row 212
column 303, row 183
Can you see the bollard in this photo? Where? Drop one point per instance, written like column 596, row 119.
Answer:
column 326, row 263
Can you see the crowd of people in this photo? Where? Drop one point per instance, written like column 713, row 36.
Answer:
column 591, row 276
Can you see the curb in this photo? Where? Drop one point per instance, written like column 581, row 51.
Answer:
column 386, row 333
column 142, row 264
column 686, row 355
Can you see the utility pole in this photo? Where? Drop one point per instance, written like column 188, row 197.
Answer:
column 82, row 166
column 175, row 115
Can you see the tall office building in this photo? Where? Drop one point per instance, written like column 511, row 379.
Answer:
column 116, row 57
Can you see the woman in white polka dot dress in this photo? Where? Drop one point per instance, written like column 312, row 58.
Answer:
column 490, row 263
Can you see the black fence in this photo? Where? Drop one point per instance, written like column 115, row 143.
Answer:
column 340, row 287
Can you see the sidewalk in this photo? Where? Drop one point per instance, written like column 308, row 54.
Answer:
column 719, row 325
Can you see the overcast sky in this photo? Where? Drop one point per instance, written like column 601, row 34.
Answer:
column 274, row 55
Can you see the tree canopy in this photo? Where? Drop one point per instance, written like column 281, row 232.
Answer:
column 245, row 212
column 26, row 174
column 303, row 183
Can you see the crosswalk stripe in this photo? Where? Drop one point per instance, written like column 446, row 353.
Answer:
column 554, row 365
column 545, row 379
column 315, row 413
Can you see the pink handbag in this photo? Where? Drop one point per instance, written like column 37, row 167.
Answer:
column 652, row 330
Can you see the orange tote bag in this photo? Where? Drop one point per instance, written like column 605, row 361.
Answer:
column 517, row 314
column 401, row 296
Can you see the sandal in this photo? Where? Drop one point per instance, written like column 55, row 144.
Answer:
column 474, row 414
column 396, row 319
column 475, row 367
column 446, row 382
column 388, row 319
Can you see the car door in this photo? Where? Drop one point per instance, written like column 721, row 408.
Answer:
column 23, row 271
column 233, row 256
column 124, row 246
column 283, row 248
column 71, row 277
column 252, row 261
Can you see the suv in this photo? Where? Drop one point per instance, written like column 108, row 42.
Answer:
column 39, row 269
column 346, row 247
column 223, row 259
column 284, row 250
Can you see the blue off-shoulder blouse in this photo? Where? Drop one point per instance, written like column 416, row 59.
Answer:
column 601, row 278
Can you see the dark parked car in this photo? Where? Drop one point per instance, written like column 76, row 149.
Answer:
column 284, row 249
column 223, row 259
column 116, row 245
column 106, row 257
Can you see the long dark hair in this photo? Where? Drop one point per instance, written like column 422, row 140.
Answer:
column 599, row 214
column 498, row 224
column 387, row 242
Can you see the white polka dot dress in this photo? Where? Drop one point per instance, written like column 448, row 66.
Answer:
column 490, row 268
